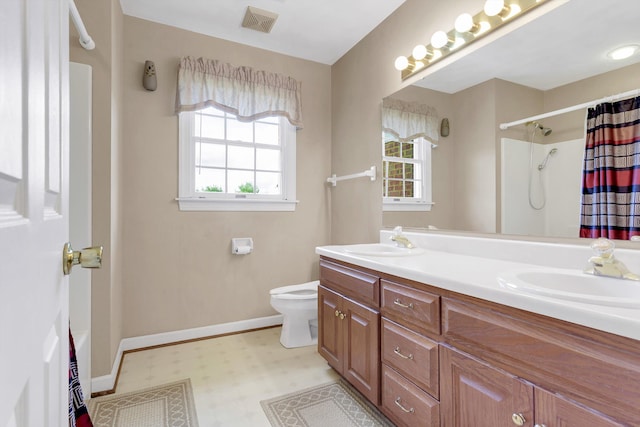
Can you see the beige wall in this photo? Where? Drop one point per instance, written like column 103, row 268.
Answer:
column 103, row 19
column 360, row 79
column 166, row 270
column 178, row 271
column 464, row 165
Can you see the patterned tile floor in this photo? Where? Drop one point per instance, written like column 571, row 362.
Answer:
column 230, row 375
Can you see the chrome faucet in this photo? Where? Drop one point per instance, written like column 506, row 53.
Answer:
column 400, row 239
column 605, row 264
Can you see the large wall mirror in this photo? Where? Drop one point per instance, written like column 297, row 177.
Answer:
column 525, row 180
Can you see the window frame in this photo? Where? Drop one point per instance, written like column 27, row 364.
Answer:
column 406, row 204
column 191, row 200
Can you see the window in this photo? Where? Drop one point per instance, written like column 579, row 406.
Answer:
column 229, row 165
column 406, row 174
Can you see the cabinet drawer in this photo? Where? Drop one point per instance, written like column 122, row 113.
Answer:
column 356, row 284
column 417, row 309
column 413, row 355
column 405, row 403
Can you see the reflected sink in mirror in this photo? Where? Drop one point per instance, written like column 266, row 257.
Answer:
column 382, row 249
column 573, row 285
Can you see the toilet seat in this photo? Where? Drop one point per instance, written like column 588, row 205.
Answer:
column 303, row 291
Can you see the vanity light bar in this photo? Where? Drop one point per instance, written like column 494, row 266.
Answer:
column 466, row 31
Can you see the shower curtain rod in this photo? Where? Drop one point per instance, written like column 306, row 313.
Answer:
column 85, row 39
column 634, row 92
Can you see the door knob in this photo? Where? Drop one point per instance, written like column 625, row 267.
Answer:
column 87, row 258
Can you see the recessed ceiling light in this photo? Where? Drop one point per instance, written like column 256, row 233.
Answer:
column 623, row 52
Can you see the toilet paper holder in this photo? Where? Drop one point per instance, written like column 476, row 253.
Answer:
column 241, row 245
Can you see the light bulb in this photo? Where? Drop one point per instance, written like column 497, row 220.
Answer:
column 483, row 27
column 493, row 7
column 401, row 63
column 439, row 39
column 464, row 23
column 514, row 9
column 419, row 52
column 458, row 43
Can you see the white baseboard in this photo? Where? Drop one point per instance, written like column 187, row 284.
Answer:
column 108, row 382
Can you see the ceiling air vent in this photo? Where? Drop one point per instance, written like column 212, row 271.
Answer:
column 259, row 20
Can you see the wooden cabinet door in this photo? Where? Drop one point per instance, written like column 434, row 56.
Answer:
column 554, row 411
column 330, row 326
column 362, row 349
column 475, row 394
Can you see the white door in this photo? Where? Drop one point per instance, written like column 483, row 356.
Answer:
column 80, row 214
column 34, row 319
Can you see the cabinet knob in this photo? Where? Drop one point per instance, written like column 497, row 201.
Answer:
column 518, row 419
column 337, row 313
column 342, row 316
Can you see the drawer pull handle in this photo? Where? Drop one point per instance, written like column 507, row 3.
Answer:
column 408, row 411
column 539, row 425
column 398, row 302
column 399, row 353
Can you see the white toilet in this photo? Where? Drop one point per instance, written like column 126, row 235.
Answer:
column 299, row 306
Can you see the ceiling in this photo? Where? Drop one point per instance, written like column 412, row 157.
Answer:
column 320, row 31
column 567, row 44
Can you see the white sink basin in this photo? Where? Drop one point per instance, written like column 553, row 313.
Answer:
column 381, row 249
column 575, row 286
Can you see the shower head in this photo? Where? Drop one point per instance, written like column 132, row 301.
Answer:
column 545, row 131
column 546, row 159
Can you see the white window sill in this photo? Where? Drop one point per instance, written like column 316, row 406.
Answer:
column 205, row 204
column 407, row 207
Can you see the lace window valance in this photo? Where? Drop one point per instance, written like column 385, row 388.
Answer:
column 248, row 93
column 409, row 120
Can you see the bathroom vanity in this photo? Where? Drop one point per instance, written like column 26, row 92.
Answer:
column 429, row 347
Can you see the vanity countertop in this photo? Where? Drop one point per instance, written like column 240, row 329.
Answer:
column 476, row 274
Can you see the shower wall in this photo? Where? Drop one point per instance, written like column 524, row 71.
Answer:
column 560, row 181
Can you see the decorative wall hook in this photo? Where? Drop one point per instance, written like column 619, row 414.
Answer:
column 149, row 80
column 444, row 127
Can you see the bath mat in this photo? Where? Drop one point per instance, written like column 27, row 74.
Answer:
column 333, row 404
column 167, row 405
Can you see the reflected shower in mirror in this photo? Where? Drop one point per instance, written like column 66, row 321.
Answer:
column 480, row 173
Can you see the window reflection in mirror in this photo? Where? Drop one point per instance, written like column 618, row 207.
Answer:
column 406, row 174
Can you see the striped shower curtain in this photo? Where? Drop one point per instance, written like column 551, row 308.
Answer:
column 611, row 172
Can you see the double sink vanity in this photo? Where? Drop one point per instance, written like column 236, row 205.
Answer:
column 476, row 332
